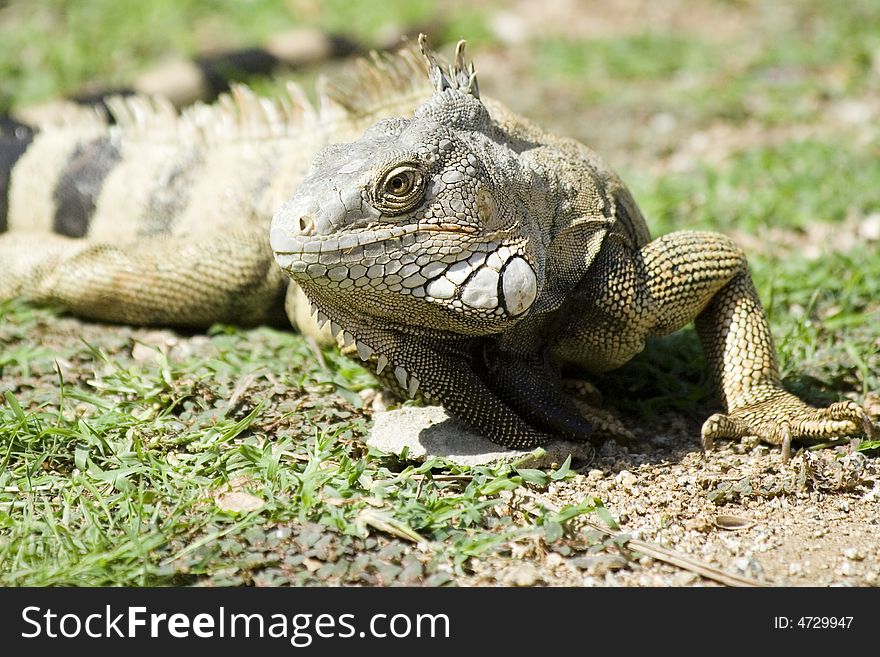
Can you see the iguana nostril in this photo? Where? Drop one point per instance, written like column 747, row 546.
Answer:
column 305, row 225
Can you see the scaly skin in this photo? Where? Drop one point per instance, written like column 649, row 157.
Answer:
column 470, row 257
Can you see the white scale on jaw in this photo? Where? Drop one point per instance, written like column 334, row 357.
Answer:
column 405, row 379
column 518, row 282
column 518, row 290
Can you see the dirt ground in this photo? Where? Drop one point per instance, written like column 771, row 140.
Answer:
column 813, row 521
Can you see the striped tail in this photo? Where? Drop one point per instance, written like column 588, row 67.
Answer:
column 15, row 138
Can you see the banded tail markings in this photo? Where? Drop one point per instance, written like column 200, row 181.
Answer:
column 15, row 138
column 35, row 176
column 206, row 76
column 171, row 192
column 77, row 191
column 125, row 199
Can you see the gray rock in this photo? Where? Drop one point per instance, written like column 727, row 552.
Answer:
column 523, row 574
column 428, row 432
column 599, row 564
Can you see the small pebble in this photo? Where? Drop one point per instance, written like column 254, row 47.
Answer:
column 748, row 567
column 598, row 565
column 626, row 479
column 847, row 569
column 553, row 560
column 524, row 574
column 853, row 554
column 595, row 475
column 684, row 578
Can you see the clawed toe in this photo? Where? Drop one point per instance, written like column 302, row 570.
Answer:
column 786, row 442
column 786, row 420
column 849, row 411
column 722, row 426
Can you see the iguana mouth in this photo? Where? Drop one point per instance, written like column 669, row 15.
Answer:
column 285, row 243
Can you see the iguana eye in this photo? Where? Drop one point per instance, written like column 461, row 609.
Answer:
column 400, row 184
column 399, row 190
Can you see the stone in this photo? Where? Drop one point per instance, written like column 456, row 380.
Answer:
column 524, row 574
column 427, row 432
column 239, row 502
column 599, row 564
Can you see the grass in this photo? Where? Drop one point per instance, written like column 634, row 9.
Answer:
column 56, row 47
column 137, row 457
column 123, row 476
column 786, row 185
column 780, row 69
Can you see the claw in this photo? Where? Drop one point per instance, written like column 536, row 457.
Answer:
column 779, row 418
column 707, row 441
column 786, row 442
column 867, row 427
column 718, row 426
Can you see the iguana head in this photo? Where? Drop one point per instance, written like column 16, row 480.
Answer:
column 442, row 245
column 418, row 223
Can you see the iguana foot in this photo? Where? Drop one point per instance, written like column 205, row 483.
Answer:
column 582, row 390
column 778, row 417
column 605, row 423
column 588, row 400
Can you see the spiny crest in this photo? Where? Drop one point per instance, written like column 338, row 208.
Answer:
column 384, row 81
column 459, row 75
column 240, row 114
column 64, row 115
column 383, row 85
column 142, row 113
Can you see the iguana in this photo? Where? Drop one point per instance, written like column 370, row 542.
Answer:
column 462, row 252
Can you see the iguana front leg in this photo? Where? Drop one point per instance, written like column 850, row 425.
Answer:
column 703, row 277
column 707, row 273
column 446, row 371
